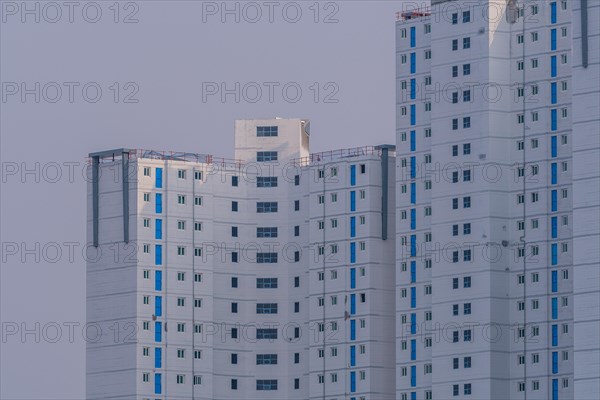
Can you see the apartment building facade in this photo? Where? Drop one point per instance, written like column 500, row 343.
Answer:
column 485, row 187
column 265, row 277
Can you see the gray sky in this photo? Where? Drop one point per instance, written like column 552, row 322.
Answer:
column 163, row 61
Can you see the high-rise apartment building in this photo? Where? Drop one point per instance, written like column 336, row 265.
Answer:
column 494, row 202
column 266, row 277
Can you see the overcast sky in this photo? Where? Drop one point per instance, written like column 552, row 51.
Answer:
column 157, row 75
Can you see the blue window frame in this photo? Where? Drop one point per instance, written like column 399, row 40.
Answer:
column 413, row 395
column 554, row 281
column 158, row 306
column 158, row 254
column 554, row 119
column 157, row 384
column 553, row 12
column 554, row 302
column 554, row 253
column 158, row 229
column 553, row 39
column 413, row 114
column 352, row 329
column 413, row 63
column 554, row 147
column 158, row 202
column 413, row 271
column 352, row 381
column 158, row 280
column 413, row 218
column 554, row 389
column 413, row 193
column 413, row 375
column 554, row 335
column 157, row 357
column 413, row 167
column 553, row 66
column 159, row 176
column 413, row 297
column 413, row 245
column 554, row 223
column 413, row 36
column 353, row 252
column 157, row 331
column 352, row 175
column 353, row 200
column 352, row 304
column 413, row 89
column 555, row 362
column 554, row 173
column 554, row 92
column 352, row 278
column 413, row 349
column 413, row 324
column 353, row 356
column 352, row 226
column 554, row 195
column 413, row 140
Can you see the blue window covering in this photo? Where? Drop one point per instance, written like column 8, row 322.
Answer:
column 157, row 357
column 413, row 36
column 352, row 252
column 554, row 253
column 353, row 200
column 553, row 39
column 413, row 349
column 352, row 304
column 554, row 335
column 353, row 381
column 413, row 375
column 352, row 356
column 158, row 254
column 413, row 89
column 353, row 175
column 554, row 147
column 413, row 167
column 553, row 66
column 554, row 195
column 158, row 203
column 413, row 140
column 158, row 229
column 413, row 114
column 554, row 308
column 413, row 395
column 554, row 223
column 413, row 271
column 157, row 384
column 554, row 389
column 158, row 331
column 553, row 12
column 554, row 92
column 413, row 193
column 413, row 245
column 555, row 362
column 554, row 173
column 158, row 280
column 352, row 329
column 413, row 63
column 352, row 278
column 554, row 119
column 554, row 281
column 413, row 297
column 159, row 176
column 352, row 226
column 158, row 306
column 413, row 324
column 413, row 218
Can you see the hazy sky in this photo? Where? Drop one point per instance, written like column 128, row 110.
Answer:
column 156, row 77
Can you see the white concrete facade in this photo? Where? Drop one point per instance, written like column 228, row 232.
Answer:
column 485, row 189
column 272, row 275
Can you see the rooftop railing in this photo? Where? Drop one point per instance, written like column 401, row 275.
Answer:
column 339, row 154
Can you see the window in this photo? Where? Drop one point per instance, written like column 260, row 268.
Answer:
column 234, row 181
column 455, row 71
column 454, row 44
column 454, row 18
column 466, row 122
column 266, row 258
column 534, row 36
column 146, row 197
column 180, row 251
column 198, row 200
column 234, row 206
column 266, row 207
column 266, row 131
column 180, row 199
column 181, row 174
column 265, row 156
column 466, row 69
column 520, row 39
column 466, row 16
column 266, row 384
column 266, row 308
column 198, row 175
column 564, row 59
column 181, row 225
column 266, row 181
column 181, row 276
column 466, row 43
